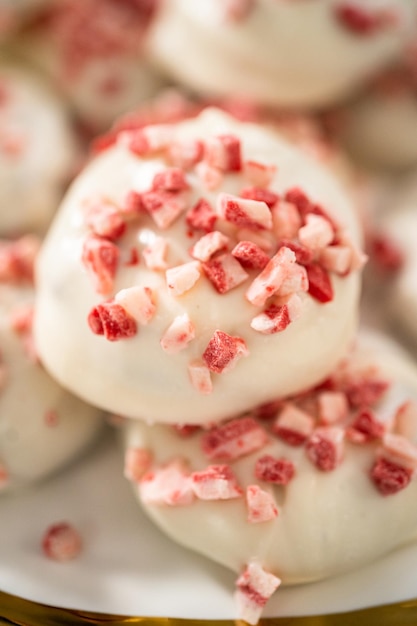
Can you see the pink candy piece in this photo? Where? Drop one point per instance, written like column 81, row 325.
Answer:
column 210, row 177
column 337, row 259
column 261, row 505
column 61, row 542
column 276, row 471
column 398, row 449
column 137, row 302
column 293, row 425
column 208, row 245
column 277, row 317
column 186, row 153
column 201, row 216
column 178, row 335
column 234, row 439
column 267, row 283
column 254, row 588
column 325, row 447
column 200, row 377
column 250, row 255
column 164, row 207
column 365, row 427
column 389, row 477
column 244, row 213
column 317, row 232
column 172, row 179
column 137, row 463
column 101, row 258
column 332, row 406
column 223, row 153
column 259, row 174
column 169, row 485
column 111, row 320
column 286, row 220
column 183, row 277
column 216, row 482
column 319, row 283
column 295, row 281
column 260, row 194
column 224, row 272
column 155, row 254
column 104, row 219
column 223, row 351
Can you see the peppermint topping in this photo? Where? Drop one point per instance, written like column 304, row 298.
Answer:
column 234, row 439
column 223, row 351
column 62, row 542
column 112, row 320
column 254, row 588
column 216, row 482
column 261, row 505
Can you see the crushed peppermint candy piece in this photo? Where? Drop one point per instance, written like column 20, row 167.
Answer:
column 261, row 505
column 337, row 259
column 365, row 427
column 104, row 219
column 234, row 439
column 208, row 245
column 178, row 335
column 259, row 174
column 164, row 207
column 389, row 477
column 200, row 377
column 319, row 283
column 215, row 482
column 286, row 220
column 112, row 320
column 317, row 232
column 183, row 277
column 276, row 471
column 332, row 406
column 405, row 420
column 210, row 177
column 254, row 588
column 293, row 425
column 137, row 302
column 155, row 254
column 172, row 179
column 201, row 216
column 224, row 153
column 276, row 317
column 267, row 283
column 223, row 351
column 260, row 194
column 62, row 542
column 137, row 463
column 168, row 485
column 250, row 255
column 101, row 258
column 325, row 447
column 398, row 449
column 244, row 213
column 224, row 272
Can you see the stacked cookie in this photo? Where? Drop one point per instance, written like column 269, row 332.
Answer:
column 202, row 277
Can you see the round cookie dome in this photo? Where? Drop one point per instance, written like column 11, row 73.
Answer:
column 42, row 426
column 306, row 488
column 37, row 151
column 289, row 54
column 199, row 264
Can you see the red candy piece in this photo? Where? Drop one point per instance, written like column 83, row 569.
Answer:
column 61, row 542
column 222, row 352
column 172, row 179
column 112, row 321
column 272, row 470
column 201, row 216
column 233, row 439
column 101, row 258
column 320, row 286
column 389, row 477
column 223, row 153
column 365, row 427
column 250, row 255
column 260, row 194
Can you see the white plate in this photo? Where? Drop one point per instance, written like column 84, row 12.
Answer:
column 128, row 567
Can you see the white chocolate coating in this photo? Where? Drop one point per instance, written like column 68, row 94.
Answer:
column 380, row 129
column 42, row 426
column 400, row 224
column 37, row 151
column 135, row 376
column 291, row 54
column 99, row 83
column 328, row 522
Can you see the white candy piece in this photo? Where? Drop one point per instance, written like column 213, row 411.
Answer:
column 37, row 151
column 320, row 523
column 290, row 54
column 133, row 375
column 42, row 426
column 92, row 49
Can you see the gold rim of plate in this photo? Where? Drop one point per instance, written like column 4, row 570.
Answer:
column 19, row 612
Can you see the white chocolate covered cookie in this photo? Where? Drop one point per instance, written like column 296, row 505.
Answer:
column 193, row 268
column 302, row 489
column 42, row 426
column 291, row 54
column 37, row 151
column 93, row 51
